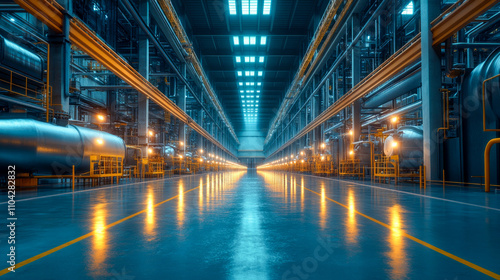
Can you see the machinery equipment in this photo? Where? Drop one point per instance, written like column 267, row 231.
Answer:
column 403, row 154
column 51, row 151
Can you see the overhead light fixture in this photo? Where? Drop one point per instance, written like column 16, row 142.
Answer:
column 267, row 7
column 260, row 73
column 261, row 59
column 263, row 40
column 408, row 10
column 236, row 40
column 238, row 59
column 245, row 7
column 240, row 74
column 232, row 7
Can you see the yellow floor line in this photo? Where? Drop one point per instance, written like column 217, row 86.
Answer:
column 443, row 252
column 46, row 253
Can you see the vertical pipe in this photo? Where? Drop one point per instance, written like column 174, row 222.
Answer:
column 487, row 163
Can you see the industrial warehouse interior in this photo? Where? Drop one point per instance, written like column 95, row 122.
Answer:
column 250, row 139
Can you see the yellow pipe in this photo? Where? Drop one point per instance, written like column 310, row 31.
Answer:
column 487, row 163
column 446, row 113
column 484, row 105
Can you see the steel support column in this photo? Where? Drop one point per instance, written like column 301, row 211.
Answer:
column 431, row 83
column 143, row 101
column 181, row 102
column 59, row 57
column 356, row 78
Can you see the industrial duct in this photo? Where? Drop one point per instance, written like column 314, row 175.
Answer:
column 384, row 95
column 43, row 148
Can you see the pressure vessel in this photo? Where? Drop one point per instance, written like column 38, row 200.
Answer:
column 43, row 148
column 407, row 142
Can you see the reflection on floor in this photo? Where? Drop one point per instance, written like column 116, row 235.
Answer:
column 258, row 225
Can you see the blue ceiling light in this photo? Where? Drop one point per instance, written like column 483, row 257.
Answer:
column 232, row 7
column 238, row 59
column 240, row 74
column 263, row 40
column 245, row 7
column 408, row 10
column 236, row 40
column 253, row 7
column 267, row 7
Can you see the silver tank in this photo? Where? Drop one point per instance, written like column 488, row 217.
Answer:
column 473, row 85
column 363, row 151
column 409, row 146
column 43, row 148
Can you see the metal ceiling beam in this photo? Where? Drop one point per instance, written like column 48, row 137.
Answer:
column 449, row 23
column 52, row 14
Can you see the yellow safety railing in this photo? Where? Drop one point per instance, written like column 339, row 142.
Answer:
column 351, row 167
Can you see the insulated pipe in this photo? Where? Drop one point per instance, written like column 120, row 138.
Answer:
column 43, row 148
column 381, row 97
column 401, row 111
column 372, row 119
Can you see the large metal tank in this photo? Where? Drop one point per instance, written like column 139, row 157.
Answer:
column 42, row 148
column 362, row 151
column 408, row 143
column 20, row 59
column 473, row 85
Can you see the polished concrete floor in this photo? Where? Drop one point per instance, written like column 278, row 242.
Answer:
column 257, row 225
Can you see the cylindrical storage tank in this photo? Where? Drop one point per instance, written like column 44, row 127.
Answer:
column 42, row 148
column 363, row 153
column 473, row 87
column 408, row 144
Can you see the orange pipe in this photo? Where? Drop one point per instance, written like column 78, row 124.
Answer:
column 487, row 163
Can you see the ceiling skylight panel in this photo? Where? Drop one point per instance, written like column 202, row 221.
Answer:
column 253, row 7
column 267, row 7
column 245, row 7
column 263, row 40
column 232, row 7
column 238, row 59
column 236, row 40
